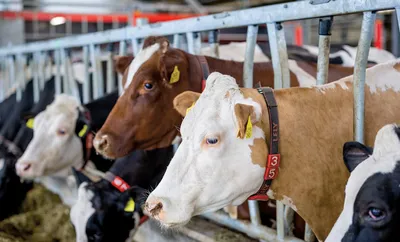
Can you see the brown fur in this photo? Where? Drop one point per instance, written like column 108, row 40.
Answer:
column 397, row 67
column 147, row 120
column 242, row 113
column 313, row 128
column 259, row 152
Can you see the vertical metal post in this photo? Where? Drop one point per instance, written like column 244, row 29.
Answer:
column 36, row 84
column 110, row 70
column 86, row 83
column 57, row 60
column 84, row 25
column 396, row 32
column 276, row 36
column 359, row 73
column 122, row 51
column 190, row 42
column 11, row 75
column 197, row 43
column 177, row 41
column 324, row 49
column 95, row 78
column 21, row 75
column 100, row 72
column 72, row 82
column 308, row 234
column 213, row 42
column 41, row 65
column 2, row 80
column 135, row 46
column 251, row 41
column 66, row 88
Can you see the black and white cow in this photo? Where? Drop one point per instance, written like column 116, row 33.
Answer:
column 5, row 108
column 62, row 140
column 372, row 204
column 101, row 212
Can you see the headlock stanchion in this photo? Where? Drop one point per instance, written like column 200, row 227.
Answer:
column 273, row 15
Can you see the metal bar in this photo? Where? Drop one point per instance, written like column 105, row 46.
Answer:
column 213, row 42
column 57, row 60
column 324, row 49
column 177, row 42
column 254, row 231
column 197, row 43
column 135, row 46
column 2, row 80
column 280, row 222
column 122, row 52
column 86, row 83
column 396, row 33
column 35, row 70
column 276, row 13
column 66, row 88
column 110, row 73
column 73, row 85
column 11, row 75
column 308, row 234
column 95, row 79
column 359, row 73
column 99, row 72
column 276, row 35
column 21, row 76
column 190, row 42
column 41, row 64
column 251, row 41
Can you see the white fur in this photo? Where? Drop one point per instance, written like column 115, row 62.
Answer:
column 138, row 61
column 384, row 160
column 235, row 51
column 305, row 79
column 189, row 185
column 81, row 212
column 51, row 155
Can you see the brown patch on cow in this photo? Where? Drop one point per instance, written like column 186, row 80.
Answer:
column 242, row 113
column 184, row 101
column 227, row 94
column 259, row 152
column 397, row 67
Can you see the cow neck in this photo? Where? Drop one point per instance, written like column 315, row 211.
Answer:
column 273, row 158
column 196, row 74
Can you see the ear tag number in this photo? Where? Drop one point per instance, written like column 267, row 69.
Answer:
column 249, row 128
column 29, row 123
column 83, row 131
column 175, row 75
column 130, row 206
column 190, row 108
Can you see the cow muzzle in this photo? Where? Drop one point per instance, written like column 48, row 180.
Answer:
column 102, row 143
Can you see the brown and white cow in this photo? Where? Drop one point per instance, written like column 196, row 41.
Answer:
column 215, row 165
column 144, row 117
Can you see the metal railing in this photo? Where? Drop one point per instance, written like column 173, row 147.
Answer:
column 272, row 15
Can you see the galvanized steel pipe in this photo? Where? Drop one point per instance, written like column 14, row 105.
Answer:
column 122, row 51
column 324, row 49
column 35, row 70
column 251, row 41
column 364, row 44
column 86, row 78
column 190, row 42
column 57, row 61
column 213, row 42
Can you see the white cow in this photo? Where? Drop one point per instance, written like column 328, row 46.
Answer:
column 372, row 203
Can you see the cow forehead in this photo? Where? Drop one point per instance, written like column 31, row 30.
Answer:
column 143, row 56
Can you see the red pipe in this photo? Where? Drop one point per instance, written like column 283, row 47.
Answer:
column 92, row 18
column 378, row 37
column 298, row 36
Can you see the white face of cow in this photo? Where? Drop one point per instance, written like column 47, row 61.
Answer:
column 55, row 147
column 372, row 203
column 212, row 167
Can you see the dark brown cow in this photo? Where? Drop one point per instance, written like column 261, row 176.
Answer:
column 144, row 117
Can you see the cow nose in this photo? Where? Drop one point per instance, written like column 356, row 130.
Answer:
column 101, row 143
column 154, row 207
column 22, row 167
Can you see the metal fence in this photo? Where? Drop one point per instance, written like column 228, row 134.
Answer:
column 13, row 61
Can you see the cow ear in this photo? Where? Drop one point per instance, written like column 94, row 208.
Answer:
column 122, row 63
column 184, row 101
column 135, row 200
column 354, row 153
column 245, row 119
column 171, row 65
column 80, row 177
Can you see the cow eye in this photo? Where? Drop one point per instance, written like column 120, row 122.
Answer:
column 375, row 214
column 148, row 86
column 61, row 132
column 212, row 141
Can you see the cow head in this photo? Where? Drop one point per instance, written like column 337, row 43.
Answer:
column 143, row 117
column 216, row 163
column 372, row 204
column 56, row 145
column 102, row 213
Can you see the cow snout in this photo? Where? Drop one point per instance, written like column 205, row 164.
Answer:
column 101, row 143
column 154, row 207
column 22, row 168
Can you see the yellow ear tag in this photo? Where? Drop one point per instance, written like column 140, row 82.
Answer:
column 83, row 131
column 249, row 128
column 175, row 75
column 187, row 110
column 130, row 206
column 29, row 123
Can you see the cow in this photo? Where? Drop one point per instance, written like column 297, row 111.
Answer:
column 5, row 108
column 100, row 213
column 314, row 123
column 154, row 77
column 62, row 140
column 372, row 200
